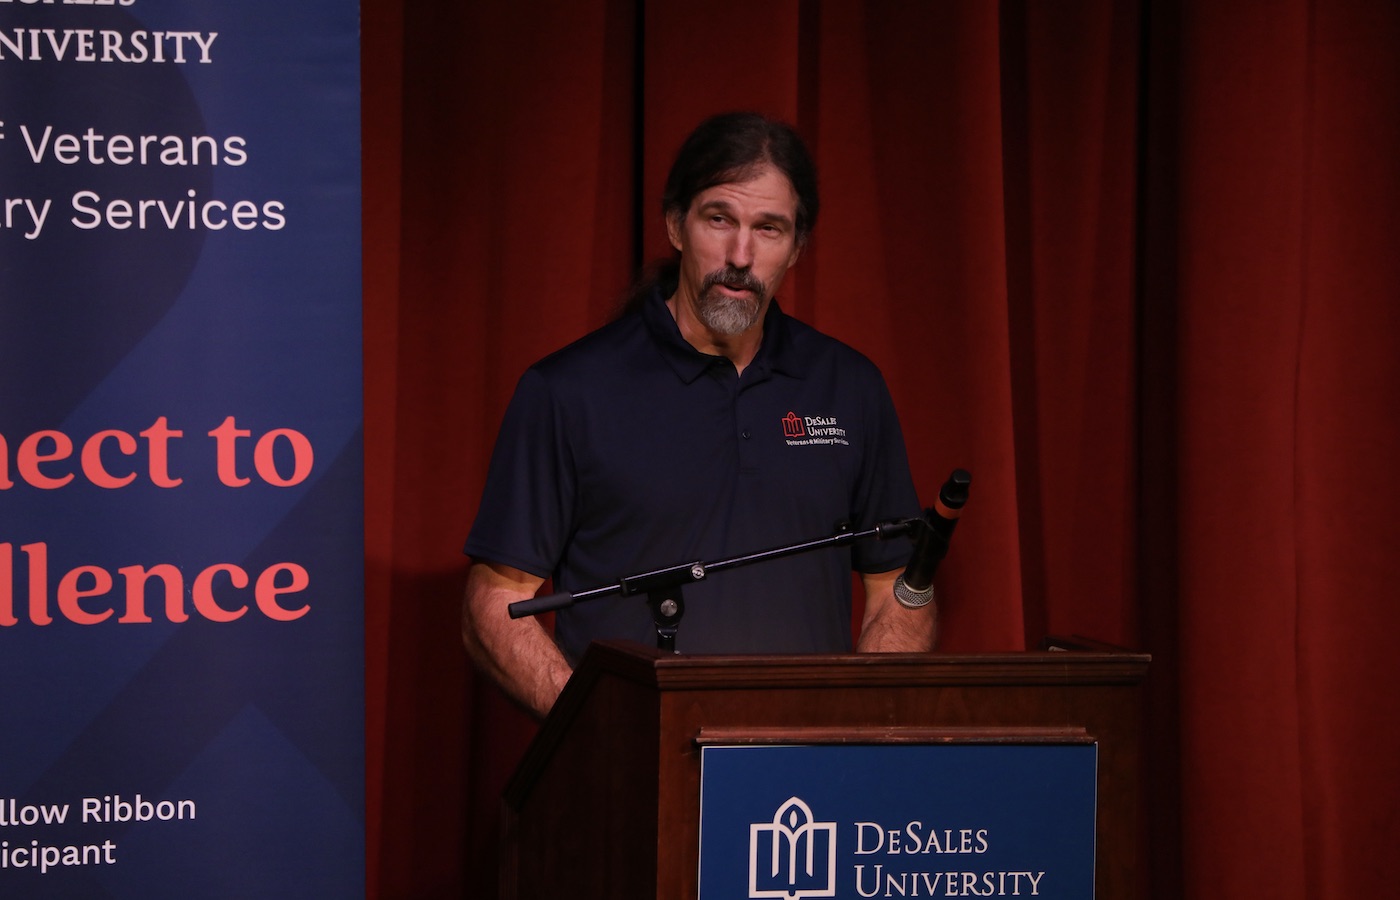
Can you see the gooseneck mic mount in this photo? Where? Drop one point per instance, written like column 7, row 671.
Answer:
column 663, row 587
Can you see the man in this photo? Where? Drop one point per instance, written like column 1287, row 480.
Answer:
column 702, row 425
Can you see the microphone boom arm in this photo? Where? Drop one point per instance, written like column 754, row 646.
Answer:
column 663, row 586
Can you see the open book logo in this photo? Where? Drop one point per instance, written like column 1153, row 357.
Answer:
column 792, row 856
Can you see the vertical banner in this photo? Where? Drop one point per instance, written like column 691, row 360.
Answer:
column 181, row 541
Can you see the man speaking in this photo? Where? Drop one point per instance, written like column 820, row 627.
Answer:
column 703, row 423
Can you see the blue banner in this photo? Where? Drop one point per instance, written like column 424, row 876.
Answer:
column 181, row 538
column 943, row 820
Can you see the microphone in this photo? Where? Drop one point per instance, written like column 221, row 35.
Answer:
column 914, row 587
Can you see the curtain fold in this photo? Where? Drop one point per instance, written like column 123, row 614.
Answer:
column 1130, row 263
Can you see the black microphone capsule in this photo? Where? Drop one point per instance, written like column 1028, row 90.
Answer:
column 914, row 588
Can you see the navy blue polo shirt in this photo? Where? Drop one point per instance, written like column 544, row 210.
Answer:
column 629, row 450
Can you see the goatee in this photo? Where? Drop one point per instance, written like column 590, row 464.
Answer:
column 730, row 314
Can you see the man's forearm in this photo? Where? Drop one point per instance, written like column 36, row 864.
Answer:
column 517, row 653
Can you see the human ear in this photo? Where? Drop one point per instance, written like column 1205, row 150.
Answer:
column 674, row 221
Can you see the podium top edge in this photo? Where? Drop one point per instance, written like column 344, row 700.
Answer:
column 643, row 663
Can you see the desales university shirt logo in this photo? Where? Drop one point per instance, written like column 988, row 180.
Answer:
column 803, row 431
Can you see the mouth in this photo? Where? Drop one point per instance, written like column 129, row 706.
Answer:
column 735, row 283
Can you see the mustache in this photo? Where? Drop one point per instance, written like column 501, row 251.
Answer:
column 733, row 277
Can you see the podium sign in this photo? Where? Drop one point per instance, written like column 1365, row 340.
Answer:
column 898, row 820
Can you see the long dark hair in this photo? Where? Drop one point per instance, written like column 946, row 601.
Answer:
column 729, row 147
column 726, row 148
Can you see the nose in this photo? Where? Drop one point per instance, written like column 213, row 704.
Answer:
column 740, row 251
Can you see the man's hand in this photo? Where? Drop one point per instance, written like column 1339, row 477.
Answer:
column 888, row 627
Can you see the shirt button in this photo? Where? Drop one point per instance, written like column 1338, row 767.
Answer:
column 744, row 434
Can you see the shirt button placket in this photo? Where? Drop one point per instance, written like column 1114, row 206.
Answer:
column 744, row 429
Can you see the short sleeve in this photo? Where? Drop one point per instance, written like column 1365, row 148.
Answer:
column 527, row 506
column 884, row 489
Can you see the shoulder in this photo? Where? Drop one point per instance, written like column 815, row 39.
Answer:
column 606, row 352
column 820, row 353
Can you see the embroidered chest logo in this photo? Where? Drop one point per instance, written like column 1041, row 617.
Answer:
column 803, row 431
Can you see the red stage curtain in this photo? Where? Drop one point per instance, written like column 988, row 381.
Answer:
column 1130, row 263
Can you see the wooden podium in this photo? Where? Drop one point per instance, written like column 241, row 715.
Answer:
column 605, row 802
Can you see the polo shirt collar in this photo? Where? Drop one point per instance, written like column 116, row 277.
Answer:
column 775, row 353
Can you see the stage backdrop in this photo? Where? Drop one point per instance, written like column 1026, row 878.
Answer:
column 1131, row 263
column 181, row 556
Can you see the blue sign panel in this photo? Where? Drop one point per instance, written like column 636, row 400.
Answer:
column 181, row 528
column 945, row 820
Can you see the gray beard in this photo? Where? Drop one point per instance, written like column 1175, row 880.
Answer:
column 728, row 315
